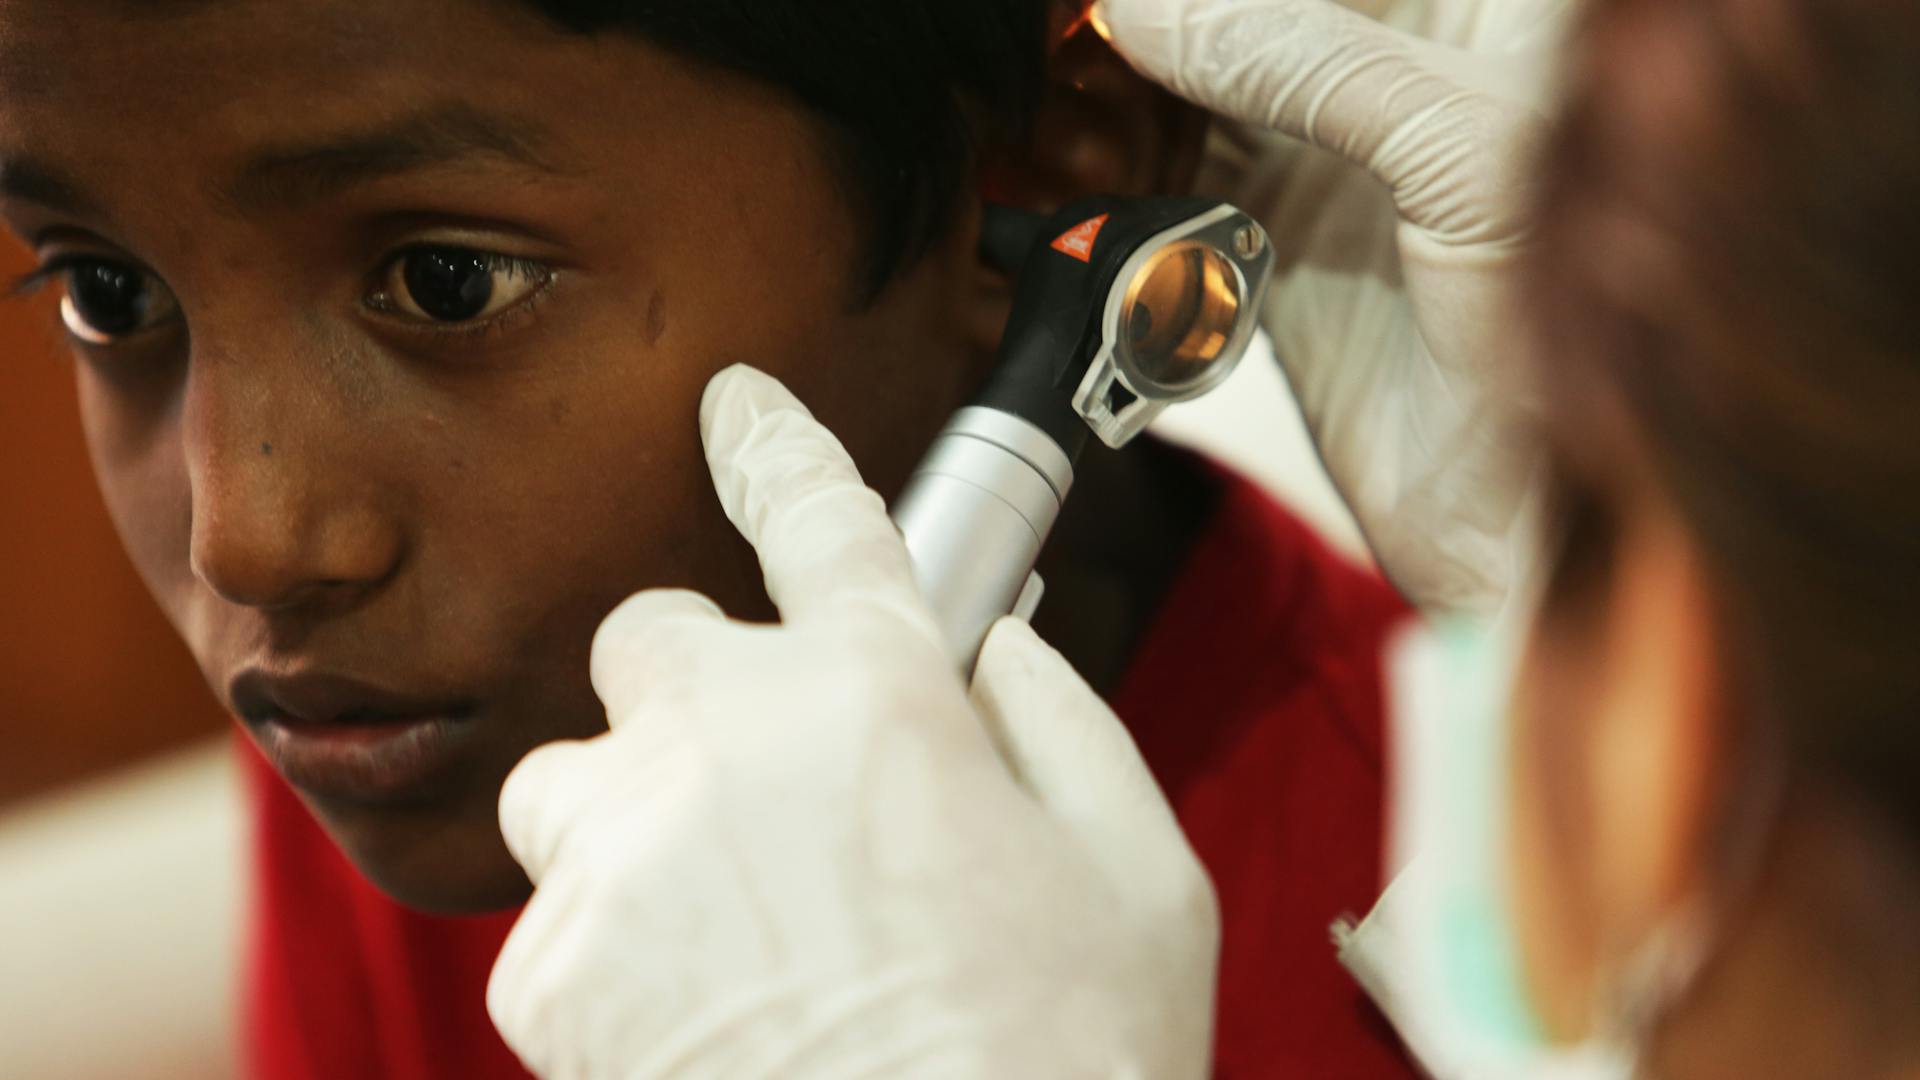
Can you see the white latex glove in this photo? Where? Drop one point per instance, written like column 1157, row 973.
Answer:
column 1397, row 223
column 804, row 851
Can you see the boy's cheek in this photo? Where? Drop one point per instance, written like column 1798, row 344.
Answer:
column 141, row 473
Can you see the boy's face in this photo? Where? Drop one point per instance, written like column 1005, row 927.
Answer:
column 392, row 321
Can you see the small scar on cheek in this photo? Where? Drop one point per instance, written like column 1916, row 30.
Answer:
column 656, row 318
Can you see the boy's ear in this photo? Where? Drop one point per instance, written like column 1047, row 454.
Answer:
column 1102, row 128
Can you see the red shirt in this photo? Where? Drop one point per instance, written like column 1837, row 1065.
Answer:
column 1256, row 698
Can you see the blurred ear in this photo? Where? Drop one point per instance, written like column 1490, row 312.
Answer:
column 1102, row 128
column 1622, row 759
column 1655, row 737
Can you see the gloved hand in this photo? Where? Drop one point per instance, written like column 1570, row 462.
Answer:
column 804, row 851
column 1397, row 222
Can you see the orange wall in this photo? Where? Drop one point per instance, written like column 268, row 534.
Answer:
column 90, row 674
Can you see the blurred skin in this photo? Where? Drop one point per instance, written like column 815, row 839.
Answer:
column 1716, row 717
column 312, row 476
column 1635, row 801
column 1615, row 705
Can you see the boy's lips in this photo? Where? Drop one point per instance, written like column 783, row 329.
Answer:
column 336, row 737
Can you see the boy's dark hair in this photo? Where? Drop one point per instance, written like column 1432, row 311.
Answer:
column 911, row 86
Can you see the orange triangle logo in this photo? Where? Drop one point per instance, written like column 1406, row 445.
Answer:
column 1078, row 241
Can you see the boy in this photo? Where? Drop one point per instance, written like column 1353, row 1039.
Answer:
column 392, row 321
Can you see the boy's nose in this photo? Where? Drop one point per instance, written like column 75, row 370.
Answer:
column 260, row 547
column 287, row 522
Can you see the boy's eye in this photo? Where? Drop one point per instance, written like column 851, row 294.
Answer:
column 107, row 301
column 457, row 285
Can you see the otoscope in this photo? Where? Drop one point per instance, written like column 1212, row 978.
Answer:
column 1122, row 306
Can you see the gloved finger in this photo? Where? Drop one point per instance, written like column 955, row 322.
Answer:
column 526, row 995
column 651, row 635
column 544, row 797
column 1069, row 750
column 1384, row 100
column 824, row 538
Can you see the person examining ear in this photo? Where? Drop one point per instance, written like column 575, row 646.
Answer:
column 1657, row 816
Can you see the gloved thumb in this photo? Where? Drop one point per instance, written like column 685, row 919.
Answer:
column 1073, row 755
column 1433, row 123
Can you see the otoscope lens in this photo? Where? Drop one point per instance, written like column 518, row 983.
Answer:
column 1179, row 315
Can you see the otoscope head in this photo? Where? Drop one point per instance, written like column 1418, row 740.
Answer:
column 1122, row 307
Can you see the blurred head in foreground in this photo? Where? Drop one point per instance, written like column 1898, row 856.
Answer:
column 1721, row 702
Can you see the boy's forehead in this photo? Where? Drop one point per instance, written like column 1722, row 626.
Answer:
column 187, row 48
column 257, row 93
column 231, row 87
column 176, row 137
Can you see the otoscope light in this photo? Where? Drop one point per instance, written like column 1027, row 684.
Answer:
column 1097, row 18
column 1178, row 315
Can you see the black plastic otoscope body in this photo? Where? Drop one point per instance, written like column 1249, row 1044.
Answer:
column 1121, row 306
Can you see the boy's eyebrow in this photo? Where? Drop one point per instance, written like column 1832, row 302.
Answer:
column 289, row 177
column 23, row 178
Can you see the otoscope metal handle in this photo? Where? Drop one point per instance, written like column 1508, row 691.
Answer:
column 975, row 516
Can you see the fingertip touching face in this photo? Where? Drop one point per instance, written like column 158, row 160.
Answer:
column 391, row 323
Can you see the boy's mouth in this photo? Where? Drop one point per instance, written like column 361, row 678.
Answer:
column 339, row 738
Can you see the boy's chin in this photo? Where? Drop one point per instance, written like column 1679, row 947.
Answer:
column 439, row 868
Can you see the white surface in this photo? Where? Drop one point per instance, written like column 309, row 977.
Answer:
column 1252, row 423
column 119, row 920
